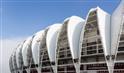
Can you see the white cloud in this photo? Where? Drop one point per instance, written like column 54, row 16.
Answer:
column 7, row 46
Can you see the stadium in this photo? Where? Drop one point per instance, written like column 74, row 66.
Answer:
column 77, row 45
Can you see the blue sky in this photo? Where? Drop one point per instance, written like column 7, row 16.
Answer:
column 26, row 17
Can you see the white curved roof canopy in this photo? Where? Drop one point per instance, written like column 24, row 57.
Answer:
column 36, row 46
column 103, row 19
column 26, row 50
column 75, row 26
column 51, row 40
column 116, row 26
column 19, row 55
column 103, row 23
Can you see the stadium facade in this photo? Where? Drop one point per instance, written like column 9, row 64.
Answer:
column 93, row 45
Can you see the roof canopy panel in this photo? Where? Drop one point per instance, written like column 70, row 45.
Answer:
column 75, row 26
column 36, row 46
column 19, row 59
column 26, row 51
column 51, row 40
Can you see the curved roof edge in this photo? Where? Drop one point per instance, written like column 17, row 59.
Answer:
column 116, row 22
column 75, row 26
column 25, row 50
column 36, row 46
column 103, row 19
column 18, row 51
column 51, row 40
